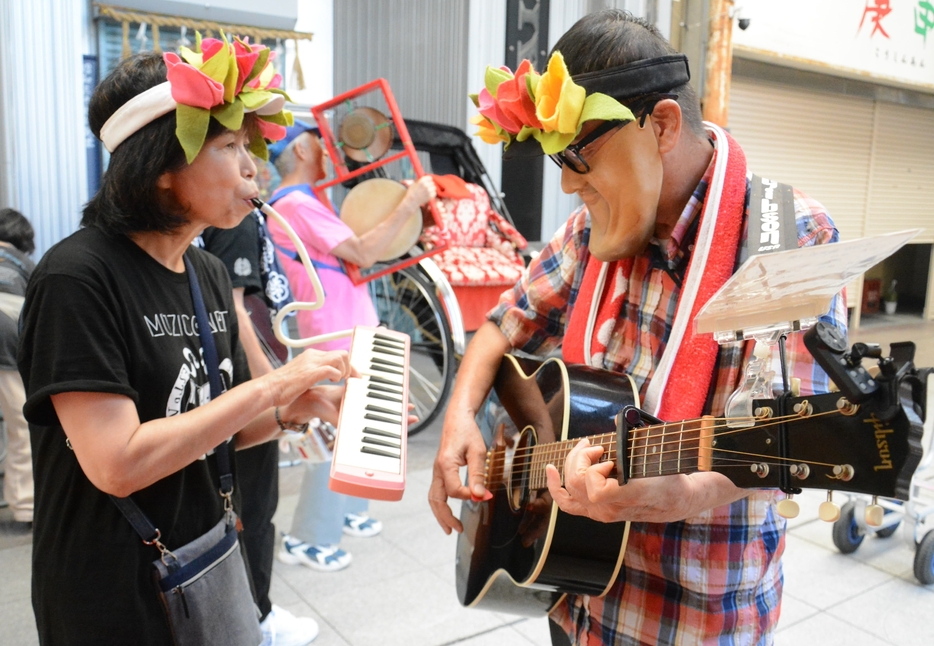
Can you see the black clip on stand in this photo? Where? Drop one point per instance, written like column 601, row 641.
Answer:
column 828, row 346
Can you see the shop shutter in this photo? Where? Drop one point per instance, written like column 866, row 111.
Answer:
column 900, row 191
column 820, row 143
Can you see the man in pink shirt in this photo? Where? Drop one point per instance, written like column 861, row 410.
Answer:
column 322, row 515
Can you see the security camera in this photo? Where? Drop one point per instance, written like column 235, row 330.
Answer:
column 744, row 23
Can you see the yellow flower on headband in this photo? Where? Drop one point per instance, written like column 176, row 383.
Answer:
column 561, row 106
column 559, row 102
column 489, row 132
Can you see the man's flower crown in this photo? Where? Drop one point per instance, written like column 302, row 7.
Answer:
column 216, row 79
column 551, row 107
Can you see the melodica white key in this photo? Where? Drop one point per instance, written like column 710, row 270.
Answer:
column 370, row 449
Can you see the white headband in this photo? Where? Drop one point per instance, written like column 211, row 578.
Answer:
column 150, row 105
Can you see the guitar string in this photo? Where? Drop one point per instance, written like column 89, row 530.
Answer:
column 558, row 450
column 599, row 438
column 610, row 453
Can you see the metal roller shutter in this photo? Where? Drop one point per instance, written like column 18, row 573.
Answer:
column 820, row 143
column 902, row 172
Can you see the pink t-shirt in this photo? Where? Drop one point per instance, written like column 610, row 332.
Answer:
column 345, row 304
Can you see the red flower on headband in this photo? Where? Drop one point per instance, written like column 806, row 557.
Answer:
column 271, row 131
column 491, row 109
column 514, row 100
column 191, row 86
column 246, row 59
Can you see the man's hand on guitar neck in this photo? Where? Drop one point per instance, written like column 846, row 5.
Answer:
column 589, row 491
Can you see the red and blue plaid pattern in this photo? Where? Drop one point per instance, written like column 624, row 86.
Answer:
column 715, row 578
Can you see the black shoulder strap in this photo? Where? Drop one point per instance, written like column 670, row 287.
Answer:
column 131, row 511
column 772, row 225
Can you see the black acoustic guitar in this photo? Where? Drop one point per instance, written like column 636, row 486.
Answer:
column 519, row 553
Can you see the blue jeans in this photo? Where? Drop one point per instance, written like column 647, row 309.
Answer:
column 319, row 516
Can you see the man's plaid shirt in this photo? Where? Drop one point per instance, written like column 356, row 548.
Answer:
column 714, row 578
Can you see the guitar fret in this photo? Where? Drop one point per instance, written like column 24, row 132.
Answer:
column 680, row 442
column 645, row 451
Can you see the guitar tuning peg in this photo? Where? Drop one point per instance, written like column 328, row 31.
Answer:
column 829, row 511
column 788, row 508
column 874, row 513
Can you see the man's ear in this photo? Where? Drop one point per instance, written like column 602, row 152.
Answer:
column 164, row 182
column 667, row 122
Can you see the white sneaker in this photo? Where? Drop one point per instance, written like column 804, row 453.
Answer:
column 324, row 558
column 282, row 628
column 361, row 525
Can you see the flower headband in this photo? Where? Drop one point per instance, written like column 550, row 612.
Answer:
column 544, row 113
column 216, row 79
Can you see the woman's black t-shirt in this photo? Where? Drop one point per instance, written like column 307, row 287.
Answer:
column 101, row 315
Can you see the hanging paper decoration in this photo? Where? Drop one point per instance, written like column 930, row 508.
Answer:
column 297, row 72
column 127, row 50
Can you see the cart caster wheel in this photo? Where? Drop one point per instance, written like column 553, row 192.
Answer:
column 846, row 533
column 924, row 559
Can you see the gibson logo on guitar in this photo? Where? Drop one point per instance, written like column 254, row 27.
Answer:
column 882, row 442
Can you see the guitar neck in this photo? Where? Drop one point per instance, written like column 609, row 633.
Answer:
column 658, row 450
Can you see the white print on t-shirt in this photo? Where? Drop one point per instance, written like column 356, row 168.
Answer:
column 184, row 324
column 187, row 394
column 242, row 267
column 277, row 288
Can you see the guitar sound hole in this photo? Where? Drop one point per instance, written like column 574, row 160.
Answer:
column 519, row 474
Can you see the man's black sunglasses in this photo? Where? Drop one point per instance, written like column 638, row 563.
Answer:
column 573, row 157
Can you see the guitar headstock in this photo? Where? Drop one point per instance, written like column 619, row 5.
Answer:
column 830, row 444
column 864, row 439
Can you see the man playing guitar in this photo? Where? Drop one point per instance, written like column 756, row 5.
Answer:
column 664, row 224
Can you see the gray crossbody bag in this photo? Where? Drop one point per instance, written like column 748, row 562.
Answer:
column 203, row 586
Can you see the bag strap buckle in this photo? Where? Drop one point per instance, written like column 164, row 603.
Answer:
column 163, row 550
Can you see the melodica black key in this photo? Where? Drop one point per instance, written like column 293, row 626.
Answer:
column 370, row 449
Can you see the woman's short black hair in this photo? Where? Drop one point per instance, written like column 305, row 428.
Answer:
column 15, row 229
column 611, row 38
column 128, row 199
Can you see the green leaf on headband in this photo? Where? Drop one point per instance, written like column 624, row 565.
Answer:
column 606, row 108
column 475, row 98
column 230, row 115
column 531, row 83
column 276, row 90
column 191, row 127
column 258, row 66
column 493, row 77
column 278, row 118
column 253, row 99
column 525, row 133
column 554, row 142
column 190, row 57
column 258, row 147
column 217, row 66
column 230, row 81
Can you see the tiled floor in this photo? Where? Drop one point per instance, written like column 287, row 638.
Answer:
column 400, row 587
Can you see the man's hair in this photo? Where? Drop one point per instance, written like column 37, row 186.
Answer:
column 611, row 38
column 128, row 199
column 15, row 229
column 285, row 162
